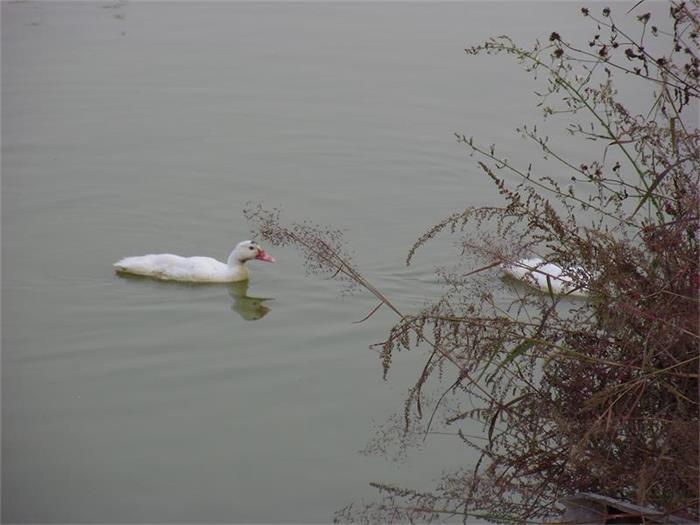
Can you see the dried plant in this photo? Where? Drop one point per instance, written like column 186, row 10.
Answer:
column 597, row 395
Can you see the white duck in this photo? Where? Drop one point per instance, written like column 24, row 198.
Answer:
column 543, row 275
column 169, row 267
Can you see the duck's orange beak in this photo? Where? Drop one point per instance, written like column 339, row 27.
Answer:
column 264, row 256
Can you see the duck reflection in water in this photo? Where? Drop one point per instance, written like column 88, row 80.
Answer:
column 249, row 308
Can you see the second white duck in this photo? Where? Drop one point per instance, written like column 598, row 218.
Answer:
column 169, row 267
column 545, row 276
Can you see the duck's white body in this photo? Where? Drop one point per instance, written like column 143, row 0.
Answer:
column 169, row 267
column 175, row 268
column 545, row 276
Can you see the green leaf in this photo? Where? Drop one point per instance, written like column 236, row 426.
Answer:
column 517, row 351
column 650, row 190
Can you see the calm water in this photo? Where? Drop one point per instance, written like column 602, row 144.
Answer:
column 130, row 128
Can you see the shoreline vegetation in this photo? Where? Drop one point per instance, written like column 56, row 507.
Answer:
column 596, row 395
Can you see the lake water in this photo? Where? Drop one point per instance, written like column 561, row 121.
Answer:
column 131, row 128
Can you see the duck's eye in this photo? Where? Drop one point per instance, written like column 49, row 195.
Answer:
column 251, row 247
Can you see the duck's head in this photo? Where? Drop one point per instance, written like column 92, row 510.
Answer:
column 248, row 250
